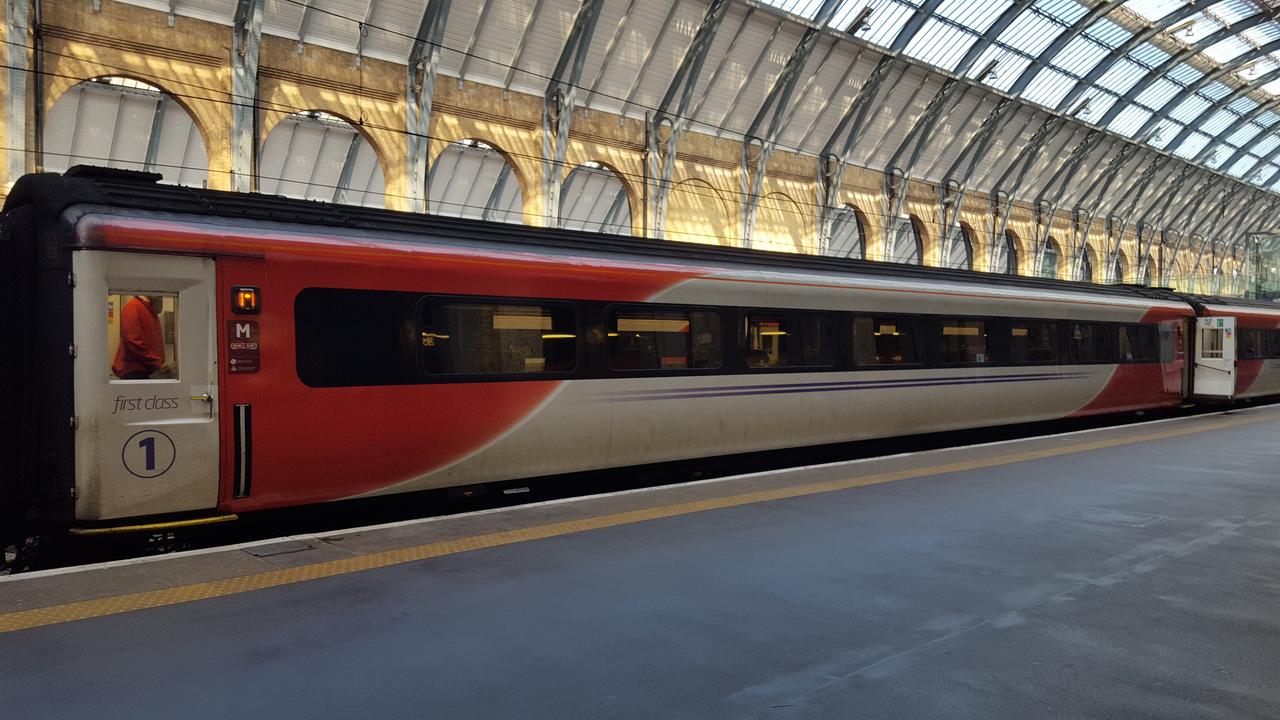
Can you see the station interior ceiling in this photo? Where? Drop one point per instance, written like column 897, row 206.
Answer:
column 1134, row 141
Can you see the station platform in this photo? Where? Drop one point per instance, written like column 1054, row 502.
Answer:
column 1128, row 572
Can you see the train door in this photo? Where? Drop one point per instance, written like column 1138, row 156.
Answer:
column 1214, row 376
column 145, row 385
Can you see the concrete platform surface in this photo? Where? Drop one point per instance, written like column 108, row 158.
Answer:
column 1125, row 573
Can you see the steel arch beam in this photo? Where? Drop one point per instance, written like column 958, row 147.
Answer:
column 558, row 104
column 667, row 124
column 767, row 123
column 246, row 41
column 1231, row 129
column 422, row 67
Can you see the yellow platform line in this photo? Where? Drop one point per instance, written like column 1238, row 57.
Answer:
column 87, row 609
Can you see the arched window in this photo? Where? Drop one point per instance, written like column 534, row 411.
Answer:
column 1005, row 257
column 1049, row 259
column 1120, row 268
column 908, row 242
column 473, row 179
column 1086, row 266
column 123, row 123
column 318, row 156
column 848, row 234
column 960, row 251
column 594, row 198
column 1152, row 277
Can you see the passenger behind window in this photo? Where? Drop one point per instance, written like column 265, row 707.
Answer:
column 141, row 353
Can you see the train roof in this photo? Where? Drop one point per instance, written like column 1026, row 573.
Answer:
column 53, row 193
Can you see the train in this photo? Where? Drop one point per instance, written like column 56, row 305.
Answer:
column 178, row 356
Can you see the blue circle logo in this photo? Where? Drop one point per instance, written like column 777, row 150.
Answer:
column 148, row 454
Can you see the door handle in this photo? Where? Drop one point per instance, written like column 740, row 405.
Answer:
column 203, row 398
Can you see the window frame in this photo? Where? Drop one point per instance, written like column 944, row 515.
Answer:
column 727, row 364
column 574, row 307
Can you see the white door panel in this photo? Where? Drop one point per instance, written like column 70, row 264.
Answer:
column 146, row 443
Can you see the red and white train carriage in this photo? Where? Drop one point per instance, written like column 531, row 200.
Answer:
column 317, row 353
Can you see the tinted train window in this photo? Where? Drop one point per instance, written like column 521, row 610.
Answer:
column 1088, row 342
column 356, row 337
column 964, row 341
column 1034, row 342
column 642, row 338
column 1252, row 344
column 1275, row 343
column 473, row 338
column 883, row 340
column 781, row 340
column 1139, row 343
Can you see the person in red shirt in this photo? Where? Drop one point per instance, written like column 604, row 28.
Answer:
column 141, row 351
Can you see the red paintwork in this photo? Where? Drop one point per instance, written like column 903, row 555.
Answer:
column 1141, row 386
column 318, row 444
column 1247, row 371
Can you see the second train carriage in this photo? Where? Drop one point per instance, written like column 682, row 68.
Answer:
column 314, row 352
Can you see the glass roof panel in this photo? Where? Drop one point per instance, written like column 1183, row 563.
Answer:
column 1108, row 33
column 1153, row 9
column 1191, row 145
column 1122, row 76
column 1245, row 134
column 1218, row 122
column 1149, row 55
column 1009, row 66
column 1079, row 56
column 1129, row 120
column 976, row 15
column 1165, row 133
column 1184, row 74
column 1228, row 49
column 1031, row 33
column 1049, row 87
column 886, row 21
column 940, row 43
column 1189, row 109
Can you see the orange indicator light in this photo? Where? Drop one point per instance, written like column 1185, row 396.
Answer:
column 244, row 300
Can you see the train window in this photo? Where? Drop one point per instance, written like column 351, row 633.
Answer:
column 497, row 338
column 1139, row 343
column 964, row 341
column 1211, row 342
column 1088, row 342
column 647, row 338
column 782, row 340
column 348, row 338
column 1252, row 344
column 142, row 336
column 1275, row 343
column 1034, row 342
column 883, row 341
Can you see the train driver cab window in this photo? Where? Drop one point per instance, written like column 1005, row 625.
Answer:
column 883, row 341
column 497, row 338
column 964, row 341
column 649, row 338
column 142, row 335
column 1034, row 342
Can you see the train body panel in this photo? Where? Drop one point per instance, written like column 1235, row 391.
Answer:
column 327, row 383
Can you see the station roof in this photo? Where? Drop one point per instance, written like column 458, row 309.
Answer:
column 1191, row 88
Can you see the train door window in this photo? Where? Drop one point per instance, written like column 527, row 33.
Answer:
column 1139, row 343
column 1211, row 342
column 964, row 341
column 1034, row 341
column 884, row 340
column 647, row 338
column 508, row 337
column 142, row 335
